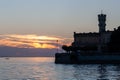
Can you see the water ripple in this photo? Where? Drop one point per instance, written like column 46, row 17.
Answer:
column 45, row 69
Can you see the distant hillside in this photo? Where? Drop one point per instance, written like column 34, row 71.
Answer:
column 25, row 52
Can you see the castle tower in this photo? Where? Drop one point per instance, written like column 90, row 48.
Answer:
column 102, row 24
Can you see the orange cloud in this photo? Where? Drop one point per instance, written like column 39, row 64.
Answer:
column 37, row 45
column 31, row 41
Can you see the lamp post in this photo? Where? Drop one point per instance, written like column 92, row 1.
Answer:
column 57, row 46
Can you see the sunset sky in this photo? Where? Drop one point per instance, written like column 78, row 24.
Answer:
column 40, row 23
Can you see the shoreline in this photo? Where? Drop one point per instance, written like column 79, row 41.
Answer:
column 70, row 58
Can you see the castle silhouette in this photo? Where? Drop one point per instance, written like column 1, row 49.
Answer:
column 97, row 40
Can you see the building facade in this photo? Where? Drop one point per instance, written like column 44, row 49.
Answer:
column 98, row 39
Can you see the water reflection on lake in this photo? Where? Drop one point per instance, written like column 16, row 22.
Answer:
column 43, row 68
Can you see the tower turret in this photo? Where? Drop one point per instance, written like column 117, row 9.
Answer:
column 102, row 24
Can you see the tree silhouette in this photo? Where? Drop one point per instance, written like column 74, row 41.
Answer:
column 114, row 44
column 66, row 48
column 69, row 49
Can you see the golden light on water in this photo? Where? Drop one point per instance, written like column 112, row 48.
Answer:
column 30, row 41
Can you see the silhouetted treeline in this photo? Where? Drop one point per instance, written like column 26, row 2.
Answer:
column 70, row 49
column 114, row 44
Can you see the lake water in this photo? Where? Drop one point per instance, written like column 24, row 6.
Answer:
column 43, row 68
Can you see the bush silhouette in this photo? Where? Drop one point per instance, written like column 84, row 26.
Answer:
column 114, row 44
